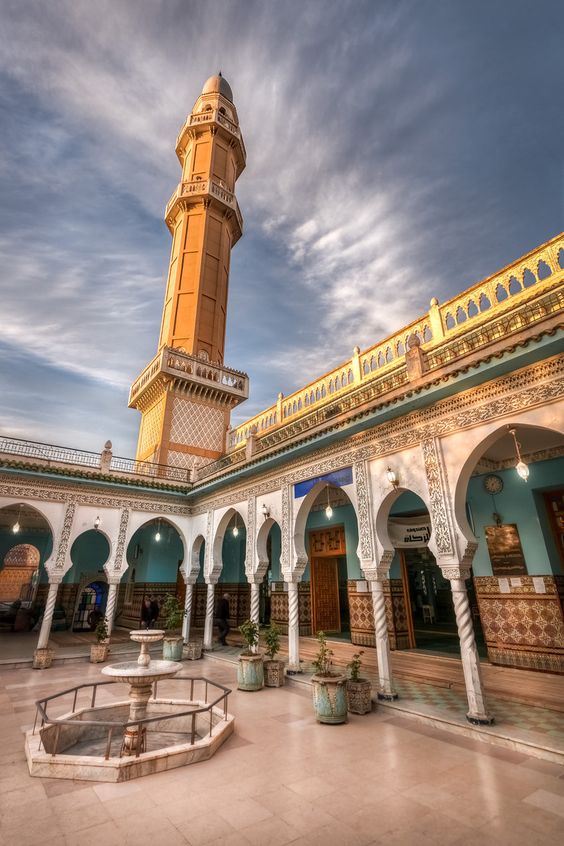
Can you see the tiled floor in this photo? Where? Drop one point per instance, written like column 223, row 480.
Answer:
column 281, row 779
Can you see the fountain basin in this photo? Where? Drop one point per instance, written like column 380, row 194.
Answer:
column 133, row 673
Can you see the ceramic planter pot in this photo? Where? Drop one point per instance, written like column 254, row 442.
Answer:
column 43, row 658
column 172, row 648
column 193, row 650
column 330, row 698
column 274, row 673
column 250, row 672
column 99, row 652
column 360, row 696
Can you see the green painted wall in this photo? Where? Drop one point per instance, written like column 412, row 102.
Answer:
column 233, row 556
column 39, row 538
column 89, row 553
column 158, row 560
column 276, row 548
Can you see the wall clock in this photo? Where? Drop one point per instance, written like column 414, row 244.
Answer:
column 493, row 484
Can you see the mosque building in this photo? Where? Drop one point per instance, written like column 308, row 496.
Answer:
column 409, row 501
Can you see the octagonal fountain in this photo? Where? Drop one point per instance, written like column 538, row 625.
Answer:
column 119, row 740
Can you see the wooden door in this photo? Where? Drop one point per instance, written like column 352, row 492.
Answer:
column 325, row 611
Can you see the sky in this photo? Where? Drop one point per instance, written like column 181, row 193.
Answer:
column 396, row 151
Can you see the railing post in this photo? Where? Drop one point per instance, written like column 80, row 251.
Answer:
column 435, row 321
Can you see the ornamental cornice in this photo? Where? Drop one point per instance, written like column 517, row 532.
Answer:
column 54, row 492
column 528, row 388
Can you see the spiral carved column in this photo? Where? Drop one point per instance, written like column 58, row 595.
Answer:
column 477, row 709
column 48, row 615
column 208, row 625
column 111, row 606
column 255, row 602
column 293, row 627
column 385, row 689
column 187, row 612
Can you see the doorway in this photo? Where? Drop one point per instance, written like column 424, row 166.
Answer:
column 328, row 581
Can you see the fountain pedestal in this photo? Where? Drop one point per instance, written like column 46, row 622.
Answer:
column 140, row 676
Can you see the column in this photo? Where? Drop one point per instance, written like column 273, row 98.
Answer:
column 48, row 613
column 293, row 628
column 385, row 682
column 255, row 601
column 187, row 612
column 111, row 606
column 208, row 625
column 477, row 709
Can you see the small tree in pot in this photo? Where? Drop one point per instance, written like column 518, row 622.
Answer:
column 359, row 690
column 250, row 670
column 99, row 650
column 329, row 688
column 273, row 670
column 172, row 616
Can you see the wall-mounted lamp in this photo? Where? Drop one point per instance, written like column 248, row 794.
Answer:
column 265, row 510
column 235, row 527
column 392, row 478
column 97, row 522
column 328, row 510
column 521, row 467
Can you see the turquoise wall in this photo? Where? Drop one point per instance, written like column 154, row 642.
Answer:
column 158, row 560
column 233, row 556
column 345, row 516
column 521, row 503
column 276, row 548
column 89, row 553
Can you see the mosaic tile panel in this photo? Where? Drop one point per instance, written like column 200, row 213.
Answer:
column 396, row 614
column 361, row 616
column 279, row 607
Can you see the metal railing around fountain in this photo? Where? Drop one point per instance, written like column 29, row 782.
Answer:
column 112, row 726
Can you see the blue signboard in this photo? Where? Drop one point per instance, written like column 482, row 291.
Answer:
column 339, row 478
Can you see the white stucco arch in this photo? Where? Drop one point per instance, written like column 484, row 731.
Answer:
column 383, row 515
column 302, row 513
column 16, row 503
column 221, row 524
column 138, row 519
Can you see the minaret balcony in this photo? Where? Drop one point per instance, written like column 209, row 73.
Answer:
column 213, row 117
column 204, row 189
column 192, row 375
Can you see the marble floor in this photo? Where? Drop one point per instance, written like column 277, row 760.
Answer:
column 282, row 779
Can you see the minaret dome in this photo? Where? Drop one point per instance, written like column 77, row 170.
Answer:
column 218, row 85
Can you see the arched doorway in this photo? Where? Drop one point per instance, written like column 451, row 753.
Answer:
column 269, row 542
column 232, row 534
column 509, row 501
column 25, row 544
column 420, row 596
column 327, row 528
column 89, row 552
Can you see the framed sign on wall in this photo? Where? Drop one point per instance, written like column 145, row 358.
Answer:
column 505, row 550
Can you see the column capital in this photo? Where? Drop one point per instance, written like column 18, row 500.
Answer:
column 454, row 571
column 212, row 580
column 55, row 578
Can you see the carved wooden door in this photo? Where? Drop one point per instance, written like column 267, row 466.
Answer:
column 326, row 615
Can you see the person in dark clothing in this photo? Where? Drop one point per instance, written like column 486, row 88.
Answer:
column 146, row 613
column 94, row 618
column 222, row 618
column 155, row 611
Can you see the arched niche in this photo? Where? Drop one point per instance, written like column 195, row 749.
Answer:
column 156, row 550
column 32, row 527
column 232, row 521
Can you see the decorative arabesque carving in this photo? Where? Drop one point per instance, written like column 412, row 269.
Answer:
column 251, row 540
column 435, row 481
column 286, row 539
column 366, row 544
column 65, row 535
column 122, row 532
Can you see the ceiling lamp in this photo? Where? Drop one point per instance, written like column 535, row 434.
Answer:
column 235, row 527
column 521, row 467
column 158, row 532
column 16, row 527
column 328, row 510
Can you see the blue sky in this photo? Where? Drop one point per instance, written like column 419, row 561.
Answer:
column 396, row 151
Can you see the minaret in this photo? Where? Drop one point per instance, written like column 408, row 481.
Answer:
column 185, row 394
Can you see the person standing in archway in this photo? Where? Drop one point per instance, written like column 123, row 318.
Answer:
column 222, row 618
column 146, row 613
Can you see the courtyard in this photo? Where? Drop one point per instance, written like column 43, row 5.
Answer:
column 282, row 778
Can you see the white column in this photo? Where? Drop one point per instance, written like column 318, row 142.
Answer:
column 293, row 627
column 187, row 612
column 208, row 625
column 385, row 688
column 477, row 709
column 111, row 606
column 48, row 615
column 255, row 602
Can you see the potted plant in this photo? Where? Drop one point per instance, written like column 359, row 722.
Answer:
column 273, row 670
column 99, row 650
column 172, row 615
column 250, row 670
column 359, row 690
column 329, row 688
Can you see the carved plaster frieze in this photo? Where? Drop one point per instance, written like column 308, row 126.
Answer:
column 286, row 530
column 52, row 492
column 251, row 539
column 537, row 385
